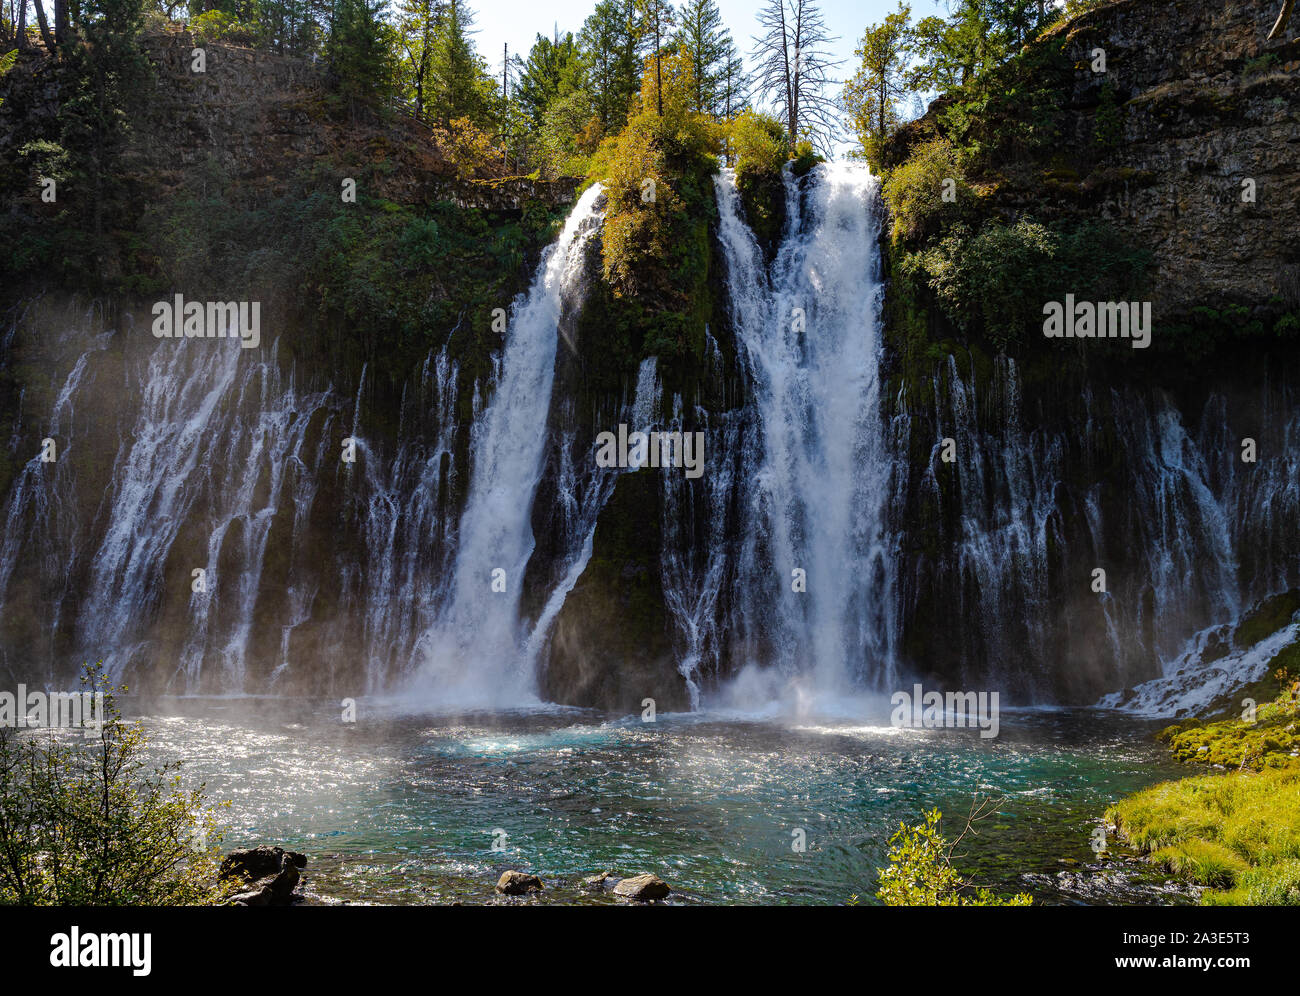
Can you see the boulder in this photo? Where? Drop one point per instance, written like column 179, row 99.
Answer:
column 270, row 875
column 597, row 881
column 517, row 883
column 642, row 888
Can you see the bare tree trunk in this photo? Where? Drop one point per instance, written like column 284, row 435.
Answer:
column 22, row 23
column 61, row 21
column 45, row 25
column 1282, row 20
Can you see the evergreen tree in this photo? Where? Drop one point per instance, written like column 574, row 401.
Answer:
column 656, row 21
column 733, row 93
column 552, row 69
column 360, row 49
column 609, row 42
column 707, row 44
column 95, row 124
column 417, row 22
column 460, row 86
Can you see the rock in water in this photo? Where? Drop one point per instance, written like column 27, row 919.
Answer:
column 517, row 883
column 642, row 887
column 596, row 881
column 270, row 874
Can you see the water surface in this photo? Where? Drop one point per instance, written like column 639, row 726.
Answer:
column 406, row 808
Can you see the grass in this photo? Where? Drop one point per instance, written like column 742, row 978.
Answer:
column 1238, row 832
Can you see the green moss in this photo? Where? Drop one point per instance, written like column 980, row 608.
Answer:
column 1267, row 618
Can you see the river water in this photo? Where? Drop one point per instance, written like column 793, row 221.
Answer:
column 398, row 808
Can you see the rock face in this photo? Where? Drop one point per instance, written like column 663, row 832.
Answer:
column 1206, row 103
column 517, row 883
column 270, row 875
column 643, row 888
column 611, row 645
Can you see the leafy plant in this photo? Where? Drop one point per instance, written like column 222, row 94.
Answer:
column 920, row 870
column 89, row 822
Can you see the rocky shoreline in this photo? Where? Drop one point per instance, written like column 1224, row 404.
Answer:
column 275, row 876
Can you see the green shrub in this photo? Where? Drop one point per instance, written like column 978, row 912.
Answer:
column 89, row 821
column 920, row 872
column 915, row 190
column 218, row 26
column 760, row 144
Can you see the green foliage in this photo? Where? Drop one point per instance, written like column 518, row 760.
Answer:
column 218, row 26
column 1267, row 618
column 996, row 279
column 873, row 94
column 469, row 149
column 460, row 86
column 390, row 280
column 805, row 158
column 645, row 216
column 759, row 143
column 1013, row 110
column 1206, row 330
column 1238, row 742
column 552, row 72
column 360, row 50
column 1108, row 125
column 7, row 63
column 1203, row 861
column 914, row 191
column 707, row 44
column 88, row 821
column 1237, row 833
column 920, row 872
column 609, row 41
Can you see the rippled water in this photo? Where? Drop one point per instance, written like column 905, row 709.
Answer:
column 404, row 809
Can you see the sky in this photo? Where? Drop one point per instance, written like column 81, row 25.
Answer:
column 518, row 22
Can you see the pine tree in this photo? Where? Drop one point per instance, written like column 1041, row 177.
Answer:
column 360, row 50
column 609, row 45
column 656, row 21
column 707, row 43
column 460, row 86
column 553, row 68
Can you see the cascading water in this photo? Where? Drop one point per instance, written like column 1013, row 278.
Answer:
column 474, row 653
column 210, row 451
column 378, row 576
column 817, row 479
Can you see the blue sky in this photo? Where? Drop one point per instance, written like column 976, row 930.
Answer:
column 519, row 21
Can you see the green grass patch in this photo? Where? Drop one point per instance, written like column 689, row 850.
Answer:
column 1236, row 833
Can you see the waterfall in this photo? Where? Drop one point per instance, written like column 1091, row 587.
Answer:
column 828, row 548
column 211, row 451
column 813, row 588
column 474, row 653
